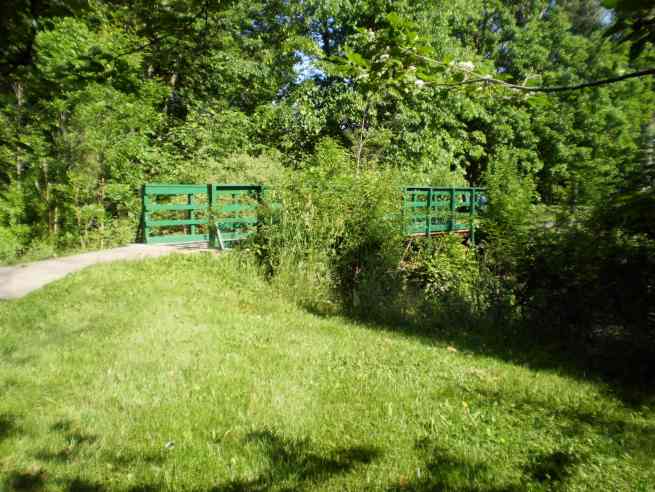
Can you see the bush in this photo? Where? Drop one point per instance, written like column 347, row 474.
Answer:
column 335, row 243
column 263, row 169
column 594, row 290
column 331, row 231
column 10, row 245
column 446, row 267
column 508, row 218
column 39, row 249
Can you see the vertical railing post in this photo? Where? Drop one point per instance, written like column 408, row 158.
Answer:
column 428, row 214
column 451, row 221
column 403, row 215
column 412, row 198
column 262, row 206
column 211, row 222
column 472, row 216
column 189, row 201
column 144, row 214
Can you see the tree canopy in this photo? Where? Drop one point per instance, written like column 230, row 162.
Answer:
column 98, row 97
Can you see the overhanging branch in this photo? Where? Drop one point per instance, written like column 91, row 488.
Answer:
column 482, row 79
column 551, row 88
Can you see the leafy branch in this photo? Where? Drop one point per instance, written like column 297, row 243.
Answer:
column 487, row 79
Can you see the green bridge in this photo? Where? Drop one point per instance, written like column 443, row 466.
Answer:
column 225, row 214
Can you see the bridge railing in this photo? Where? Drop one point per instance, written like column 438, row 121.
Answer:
column 430, row 210
column 174, row 213
column 234, row 212
column 225, row 214
column 222, row 214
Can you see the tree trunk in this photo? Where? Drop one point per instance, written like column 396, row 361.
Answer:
column 46, row 193
column 362, row 139
column 19, row 93
column 101, row 220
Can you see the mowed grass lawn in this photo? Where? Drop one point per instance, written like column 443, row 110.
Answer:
column 190, row 373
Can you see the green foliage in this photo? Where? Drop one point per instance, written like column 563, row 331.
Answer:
column 330, row 159
column 593, row 289
column 446, row 267
column 265, row 169
column 39, row 249
column 333, row 106
column 330, row 231
column 635, row 23
column 510, row 195
column 334, row 243
column 446, row 283
column 20, row 22
column 10, row 245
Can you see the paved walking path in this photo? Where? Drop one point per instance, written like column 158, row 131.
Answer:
column 16, row 281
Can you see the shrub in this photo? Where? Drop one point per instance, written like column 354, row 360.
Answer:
column 594, row 290
column 331, row 231
column 10, row 245
column 39, row 249
column 508, row 218
column 264, row 169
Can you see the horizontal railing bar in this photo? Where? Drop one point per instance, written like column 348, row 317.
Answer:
column 234, row 235
column 160, row 186
column 178, row 238
column 175, row 222
column 236, row 207
column 426, row 204
column 237, row 220
column 175, row 192
column 171, row 207
column 443, row 188
column 236, row 187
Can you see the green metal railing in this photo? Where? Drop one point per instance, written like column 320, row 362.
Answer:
column 431, row 211
column 225, row 214
column 234, row 212
column 220, row 214
column 162, row 204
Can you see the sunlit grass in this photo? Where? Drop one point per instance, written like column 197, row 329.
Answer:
column 190, row 373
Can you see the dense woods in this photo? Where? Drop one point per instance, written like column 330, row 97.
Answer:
column 98, row 97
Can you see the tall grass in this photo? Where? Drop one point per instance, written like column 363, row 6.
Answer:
column 326, row 231
column 334, row 243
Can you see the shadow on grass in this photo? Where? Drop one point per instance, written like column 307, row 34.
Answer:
column 145, row 488
column 36, row 478
column 35, row 481
column 553, row 468
column 628, row 373
column 27, row 481
column 628, row 380
column 444, row 471
column 126, row 458
column 8, row 426
column 294, row 466
column 633, row 438
column 8, row 354
column 75, row 440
